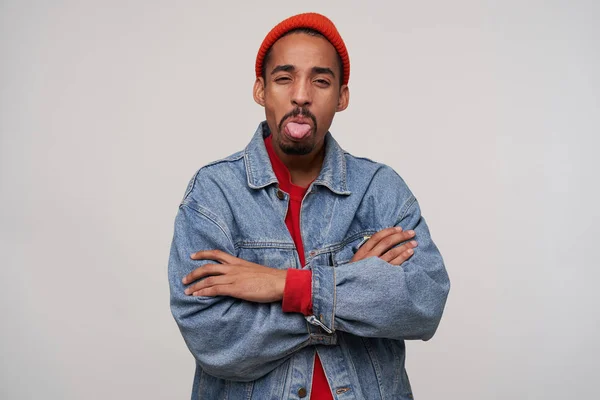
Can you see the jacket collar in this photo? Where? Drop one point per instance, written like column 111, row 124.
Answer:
column 260, row 172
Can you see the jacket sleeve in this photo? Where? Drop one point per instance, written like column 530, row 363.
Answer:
column 230, row 338
column 372, row 298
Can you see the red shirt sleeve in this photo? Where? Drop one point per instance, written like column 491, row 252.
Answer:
column 297, row 293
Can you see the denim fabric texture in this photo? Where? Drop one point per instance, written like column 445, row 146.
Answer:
column 363, row 311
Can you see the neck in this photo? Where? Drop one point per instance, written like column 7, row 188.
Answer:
column 303, row 169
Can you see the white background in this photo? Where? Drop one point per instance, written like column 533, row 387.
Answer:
column 489, row 110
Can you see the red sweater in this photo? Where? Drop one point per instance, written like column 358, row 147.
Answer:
column 297, row 295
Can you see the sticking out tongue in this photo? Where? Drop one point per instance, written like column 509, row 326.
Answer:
column 297, row 131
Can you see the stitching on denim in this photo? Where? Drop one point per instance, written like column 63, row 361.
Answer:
column 227, row 388
column 249, row 173
column 285, row 377
column 338, row 246
column 339, row 162
column 375, row 363
column 323, row 307
column 325, row 232
column 397, row 369
column 343, row 166
column 331, row 187
column 249, row 390
column 323, row 338
column 345, row 346
column 362, row 158
column 312, row 288
column 407, row 205
column 210, row 216
column 334, row 302
column 310, row 384
column 234, row 157
column 246, row 244
column 201, row 380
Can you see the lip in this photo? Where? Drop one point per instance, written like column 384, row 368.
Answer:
column 300, row 120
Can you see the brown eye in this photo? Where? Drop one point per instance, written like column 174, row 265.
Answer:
column 282, row 79
column 322, row 82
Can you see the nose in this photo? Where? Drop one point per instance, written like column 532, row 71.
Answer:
column 301, row 95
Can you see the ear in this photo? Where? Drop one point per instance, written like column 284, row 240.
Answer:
column 343, row 99
column 259, row 91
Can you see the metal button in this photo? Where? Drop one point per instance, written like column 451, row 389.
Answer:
column 302, row 393
column 280, row 194
column 341, row 390
column 312, row 253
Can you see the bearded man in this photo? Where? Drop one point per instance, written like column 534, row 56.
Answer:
column 298, row 270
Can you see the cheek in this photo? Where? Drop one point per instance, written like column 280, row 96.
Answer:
column 276, row 102
column 328, row 108
column 274, row 112
column 328, row 101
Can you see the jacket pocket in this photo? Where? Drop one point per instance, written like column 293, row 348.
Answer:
column 269, row 257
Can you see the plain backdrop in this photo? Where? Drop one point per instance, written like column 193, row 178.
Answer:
column 490, row 110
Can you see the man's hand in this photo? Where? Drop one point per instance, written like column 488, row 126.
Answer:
column 234, row 277
column 382, row 245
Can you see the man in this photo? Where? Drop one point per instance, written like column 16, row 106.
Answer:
column 294, row 269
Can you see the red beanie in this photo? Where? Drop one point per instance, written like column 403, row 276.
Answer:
column 315, row 21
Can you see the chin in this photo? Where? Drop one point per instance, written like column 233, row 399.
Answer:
column 296, row 148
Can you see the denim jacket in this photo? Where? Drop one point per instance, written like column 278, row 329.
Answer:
column 363, row 311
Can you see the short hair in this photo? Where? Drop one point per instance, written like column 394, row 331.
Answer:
column 307, row 31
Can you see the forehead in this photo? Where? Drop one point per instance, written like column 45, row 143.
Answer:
column 303, row 51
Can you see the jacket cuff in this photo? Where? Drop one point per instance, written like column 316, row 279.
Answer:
column 297, row 292
column 323, row 296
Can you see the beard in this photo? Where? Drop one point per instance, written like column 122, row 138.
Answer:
column 296, row 149
column 303, row 147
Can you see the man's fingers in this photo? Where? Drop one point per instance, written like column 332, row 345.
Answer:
column 390, row 241
column 397, row 255
column 405, row 255
column 205, row 270
column 215, row 255
column 373, row 240
column 383, row 241
column 220, row 290
column 208, row 282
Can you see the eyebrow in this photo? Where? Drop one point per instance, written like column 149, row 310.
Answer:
column 285, row 68
column 323, row 70
column 291, row 68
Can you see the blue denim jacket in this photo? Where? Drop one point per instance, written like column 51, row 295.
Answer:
column 363, row 311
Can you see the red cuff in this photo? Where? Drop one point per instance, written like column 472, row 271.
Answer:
column 297, row 293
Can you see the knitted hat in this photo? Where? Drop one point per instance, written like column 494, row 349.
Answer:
column 315, row 21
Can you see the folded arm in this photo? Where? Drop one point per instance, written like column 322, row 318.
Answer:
column 231, row 338
column 374, row 298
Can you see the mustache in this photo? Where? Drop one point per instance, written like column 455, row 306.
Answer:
column 296, row 112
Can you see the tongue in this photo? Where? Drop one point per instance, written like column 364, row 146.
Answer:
column 297, row 131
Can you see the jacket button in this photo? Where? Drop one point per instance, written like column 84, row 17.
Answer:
column 280, row 194
column 302, row 393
